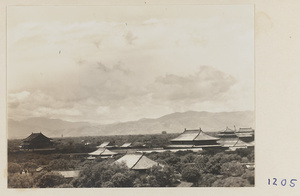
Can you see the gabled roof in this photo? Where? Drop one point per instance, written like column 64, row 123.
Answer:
column 35, row 136
column 102, row 152
column 137, row 161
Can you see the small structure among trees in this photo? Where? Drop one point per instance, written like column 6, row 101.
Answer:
column 36, row 141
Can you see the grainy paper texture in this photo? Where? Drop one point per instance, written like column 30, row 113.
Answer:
column 276, row 100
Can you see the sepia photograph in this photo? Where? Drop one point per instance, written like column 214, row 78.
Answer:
column 130, row 96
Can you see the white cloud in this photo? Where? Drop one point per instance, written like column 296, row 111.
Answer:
column 102, row 70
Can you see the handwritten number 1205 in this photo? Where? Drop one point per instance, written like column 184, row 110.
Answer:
column 283, row 182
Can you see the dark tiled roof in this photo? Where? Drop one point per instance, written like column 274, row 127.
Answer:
column 36, row 136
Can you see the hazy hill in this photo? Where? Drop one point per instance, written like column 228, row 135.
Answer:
column 172, row 123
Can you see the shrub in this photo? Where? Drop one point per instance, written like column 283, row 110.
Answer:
column 190, row 174
column 50, row 180
column 232, row 169
column 207, row 180
column 231, row 182
column 14, row 168
column 249, row 175
column 121, row 180
column 20, row 181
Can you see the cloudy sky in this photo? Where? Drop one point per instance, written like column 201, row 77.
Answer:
column 111, row 64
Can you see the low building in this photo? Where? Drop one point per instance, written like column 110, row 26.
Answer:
column 36, row 141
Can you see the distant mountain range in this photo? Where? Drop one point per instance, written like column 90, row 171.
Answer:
column 171, row 123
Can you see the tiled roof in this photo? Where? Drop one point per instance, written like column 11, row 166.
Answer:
column 102, row 152
column 226, row 142
column 103, row 144
column 34, row 136
column 144, row 163
column 203, row 136
column 240, row 143
column 125, row 145
column 194, row 135
column 137, row 161
column 187, row 135
column 245, row 130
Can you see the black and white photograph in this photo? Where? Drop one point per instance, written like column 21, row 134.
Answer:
column 130, row 96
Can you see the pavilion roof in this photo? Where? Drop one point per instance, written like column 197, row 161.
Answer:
column 187, row 135
column 35, row 136
column 194, row 135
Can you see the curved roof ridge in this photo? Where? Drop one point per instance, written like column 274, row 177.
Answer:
column 200, row 130
column 204, row 136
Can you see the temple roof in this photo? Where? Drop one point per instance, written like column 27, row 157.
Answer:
column 187, row 135
column 203, row 136
column 194, row 135
column 35, row 136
